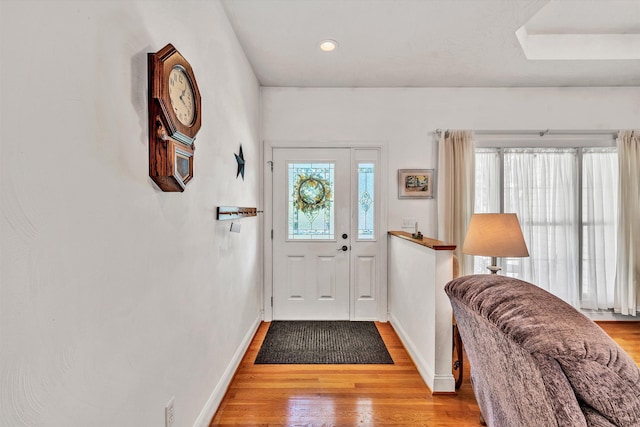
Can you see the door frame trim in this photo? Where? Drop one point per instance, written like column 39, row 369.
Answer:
column 267, row 192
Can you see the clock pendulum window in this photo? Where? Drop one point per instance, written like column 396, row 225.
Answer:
column 174, row 118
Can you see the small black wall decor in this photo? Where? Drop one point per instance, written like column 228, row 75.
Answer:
column 240, row 160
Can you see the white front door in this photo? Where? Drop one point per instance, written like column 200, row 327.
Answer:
column 311, row 215
column 326, row 248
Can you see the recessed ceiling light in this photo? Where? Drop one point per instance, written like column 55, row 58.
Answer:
column 328, row 45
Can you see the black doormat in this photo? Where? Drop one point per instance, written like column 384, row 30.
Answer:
column 323, row 342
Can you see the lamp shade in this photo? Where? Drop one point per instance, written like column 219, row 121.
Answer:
column 495, row 235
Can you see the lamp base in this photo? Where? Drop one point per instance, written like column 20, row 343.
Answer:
column 494, row 269
column 494, row 265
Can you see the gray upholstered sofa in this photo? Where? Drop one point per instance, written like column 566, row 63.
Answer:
column 536, row 361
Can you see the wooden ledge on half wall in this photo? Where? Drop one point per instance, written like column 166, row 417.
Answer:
column 436, row 245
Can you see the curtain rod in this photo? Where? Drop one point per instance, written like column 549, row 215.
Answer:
column 540, row 133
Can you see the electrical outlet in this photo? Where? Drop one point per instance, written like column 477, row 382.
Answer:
column 169, row 413
column 408, row 221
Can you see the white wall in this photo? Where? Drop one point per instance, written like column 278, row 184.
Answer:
column 406, row 118
column 419, row 309
column 116, row 296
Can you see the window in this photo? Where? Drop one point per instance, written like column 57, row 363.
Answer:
column 311, row 213
column 566, row 201
column 366, row 195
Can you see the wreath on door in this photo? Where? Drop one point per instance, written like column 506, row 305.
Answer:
column 311, row 194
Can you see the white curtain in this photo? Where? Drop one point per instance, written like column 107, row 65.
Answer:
column 456, row 168
column 488, row 193
column 599, row 227
column 628, row 268
column 541, row 188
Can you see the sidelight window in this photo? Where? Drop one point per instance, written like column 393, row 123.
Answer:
column 366, row 194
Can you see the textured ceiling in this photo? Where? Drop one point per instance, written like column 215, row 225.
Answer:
column 426, row 43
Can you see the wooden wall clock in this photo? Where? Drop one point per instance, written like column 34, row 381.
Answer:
column 174, row 118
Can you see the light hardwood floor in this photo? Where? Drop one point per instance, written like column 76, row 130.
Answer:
column 357, row 395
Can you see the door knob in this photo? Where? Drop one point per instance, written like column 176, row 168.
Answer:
column 344, row 248
column 344, row 236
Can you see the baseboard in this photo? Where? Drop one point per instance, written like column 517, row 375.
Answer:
column 426, row 372
column 609, row 316
column 210, row 408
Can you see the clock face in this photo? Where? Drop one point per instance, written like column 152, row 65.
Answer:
column 181, row 95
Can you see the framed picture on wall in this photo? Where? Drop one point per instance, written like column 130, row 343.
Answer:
column 416, row 183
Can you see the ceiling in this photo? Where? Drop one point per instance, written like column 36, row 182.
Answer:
column 439, row 43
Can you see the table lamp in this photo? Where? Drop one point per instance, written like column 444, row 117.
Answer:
column 495, row 235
